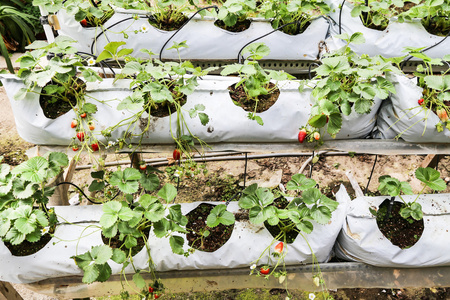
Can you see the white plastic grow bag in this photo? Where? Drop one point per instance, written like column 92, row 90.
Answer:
column 34, row 127
column 389, row 42
column 360, row 239
column 205, row 40
column 78, row 231
column 248, row 241
column 402, row 115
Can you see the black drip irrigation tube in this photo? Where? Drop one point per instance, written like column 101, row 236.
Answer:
column 240, row 57
column 178, row 30
column 82, row 192
column 101, row 63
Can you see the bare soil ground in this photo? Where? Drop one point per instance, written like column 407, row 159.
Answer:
column 224, row 178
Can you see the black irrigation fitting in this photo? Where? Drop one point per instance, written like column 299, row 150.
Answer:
column 238, row 194
column 371, row 173
column 178, row 30
column 44, row 20
column 389, row 211
column 309, row 69
column 240, row 57
column 101, row 63
column 117, row 23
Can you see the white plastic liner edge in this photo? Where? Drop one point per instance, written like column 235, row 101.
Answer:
column 360, row 239
column 402, row 114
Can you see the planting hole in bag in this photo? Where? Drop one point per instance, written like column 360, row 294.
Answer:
column 202, row 237
column 402, row 232
column 57, row 100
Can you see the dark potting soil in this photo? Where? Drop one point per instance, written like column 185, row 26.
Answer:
column 292, row 234
column 238, row 27
column 168, row 24
column 28, row 248
column 53, row 108
column 116, row 243
column 403, row 233
column 264, row 101
column 196, row 225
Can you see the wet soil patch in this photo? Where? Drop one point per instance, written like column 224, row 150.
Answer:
column 292, row 234
column 238, row 27
column 116, row 243
column 264, row 102
column 197, row 238
column 403, row 233
column 53, row 107
column 27, row 248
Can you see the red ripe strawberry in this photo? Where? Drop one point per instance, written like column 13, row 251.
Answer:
column 279, row 247
column 74, row 123
column 156, row 296
column 80, row 136
column 94, row 147
column 442, row 114
column 176, row 154
column 150, row 290
column 316, row 136
column 83, row 23
column 75, row 148
column 264, row 270
column 302, row 135
column 143, row 167
column 83, row 115
column 420, row 101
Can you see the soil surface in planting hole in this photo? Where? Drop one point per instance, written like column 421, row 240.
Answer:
column 164, row 109
column 238, row 27
column 196, row 226
column 403, row 233
column 168, row 24
column 28, row 248
column 264, row 102
column 116, row 243
column 53, row 107
column 291, row 235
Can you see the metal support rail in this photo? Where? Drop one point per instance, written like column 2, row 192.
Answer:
column 336, row 275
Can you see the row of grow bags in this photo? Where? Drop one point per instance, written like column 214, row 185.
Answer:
column 228, row 123
column 209, row 42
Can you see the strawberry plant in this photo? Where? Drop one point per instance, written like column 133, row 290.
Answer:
column 376, row 14
column 395, row 188
column 255, row 85
column 298, row 11
column 346, row 82
column 285, row 217
column 24, row 195
column 233, row 14
column 160, row 89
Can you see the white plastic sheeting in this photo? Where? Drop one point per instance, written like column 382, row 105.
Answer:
column 389, row 42
column 205, row 40
column 360, row 239
column 228, row 122
column 402, row 115
column 248, row 241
